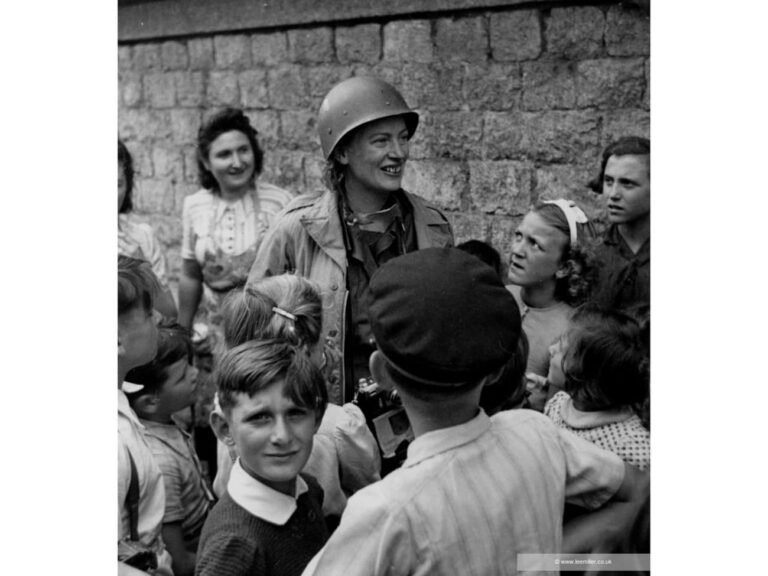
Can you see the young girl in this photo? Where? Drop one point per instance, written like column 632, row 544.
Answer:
column 606, row 368
column 269, row 522
column 551, row 271
column 345, row 456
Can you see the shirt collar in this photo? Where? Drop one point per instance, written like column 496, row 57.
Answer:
column 124, row 408
column 242, row 208
column 438, row 441
column 583, row 420
column 261, row 500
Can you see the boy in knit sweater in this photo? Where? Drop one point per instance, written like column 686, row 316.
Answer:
column 270, row 520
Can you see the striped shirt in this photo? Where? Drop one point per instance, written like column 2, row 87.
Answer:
column 469, row 498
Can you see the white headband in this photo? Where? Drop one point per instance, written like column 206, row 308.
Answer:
column 573, row 214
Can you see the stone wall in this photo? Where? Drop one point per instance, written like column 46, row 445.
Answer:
column 516, row 104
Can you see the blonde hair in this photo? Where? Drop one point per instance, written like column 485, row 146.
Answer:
column 285, row 307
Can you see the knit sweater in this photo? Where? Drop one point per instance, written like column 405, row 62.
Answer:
column 234, row 542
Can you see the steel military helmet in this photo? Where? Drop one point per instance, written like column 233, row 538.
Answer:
column 357, row 101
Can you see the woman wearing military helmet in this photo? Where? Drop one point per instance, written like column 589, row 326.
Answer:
column 338, row 238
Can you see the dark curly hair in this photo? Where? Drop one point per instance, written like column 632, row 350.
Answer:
column 226, row 120
column 634, row 145
column 607, row 360
column 125, row 162
column 578, row 284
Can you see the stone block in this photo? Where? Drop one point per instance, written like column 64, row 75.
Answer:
column 468, row 226
column 190, row 88
column 443, row 183
column 502, row 235
column 189, row 157
column 566, row 181
column 174, row 55
column 124, row 58
column 548, row 84
column 647, row 92
column 310, row 45
column 515, row 35
column 541, row 136
column 287, row 88
column 168, row 163
column 575, row 32
column 181, row 190
column 628, row 122
column 253, row 89
column 142, row 161
column 448, row 76
column 185, row 124
column 452, row 135
column 200, row 53
column 313, row 174
column 610, row 83
column 159, row 90
column 285, row 169
column 130, row 88
column 269, row 49
column 299, row 130
column 267, row 124
column 500, row 187
column 408, row 41
column 628, row 32
column 142, row 124
column 232, row 52
column 360, row 43
column 222, row 89
column 146, row 57
column 462, row 39
column 494, row 87
column 153, row 196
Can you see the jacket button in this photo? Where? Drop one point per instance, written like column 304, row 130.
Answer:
column 334, row 287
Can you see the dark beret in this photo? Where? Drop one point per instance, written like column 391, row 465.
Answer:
column 442, row 317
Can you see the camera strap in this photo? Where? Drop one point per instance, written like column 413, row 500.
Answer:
column 132, row 500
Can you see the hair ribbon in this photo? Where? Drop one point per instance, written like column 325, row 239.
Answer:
column 573, row 214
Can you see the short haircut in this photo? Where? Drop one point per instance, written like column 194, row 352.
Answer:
column 506, row 389
column 606, row 362
column 626, row 146
column 249, row 312
column 125, row 163
column 484, row 252
column 137, row 285
column 225, row 120
column 254, row 366
column 174, row 343
column 580, row 281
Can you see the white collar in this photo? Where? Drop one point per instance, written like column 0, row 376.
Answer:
column 261, row 500
column 124, row 408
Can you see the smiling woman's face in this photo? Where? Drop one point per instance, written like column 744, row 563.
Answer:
column 231, row 161
column 375, row 156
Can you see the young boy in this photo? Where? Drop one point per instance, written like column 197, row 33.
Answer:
column 137, row 345
column 625, row 250
column 270, row 519
column 168, row 385
column 474, row 491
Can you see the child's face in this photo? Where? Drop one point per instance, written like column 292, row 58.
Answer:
column 536, row 252
column 137, row 336
column 273, row 436
column 627, row 188
column 179, row 388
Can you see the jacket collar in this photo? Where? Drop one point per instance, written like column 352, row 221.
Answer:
column 323, row 224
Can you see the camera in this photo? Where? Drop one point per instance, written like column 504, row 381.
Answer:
column 374, row 400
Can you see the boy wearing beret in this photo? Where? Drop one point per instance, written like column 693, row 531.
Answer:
column 474, row 492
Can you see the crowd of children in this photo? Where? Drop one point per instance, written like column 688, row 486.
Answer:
column 521, row 382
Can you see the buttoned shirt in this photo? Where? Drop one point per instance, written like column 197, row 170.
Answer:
column 469, row 498
column 624, row 276
column 187, row 497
